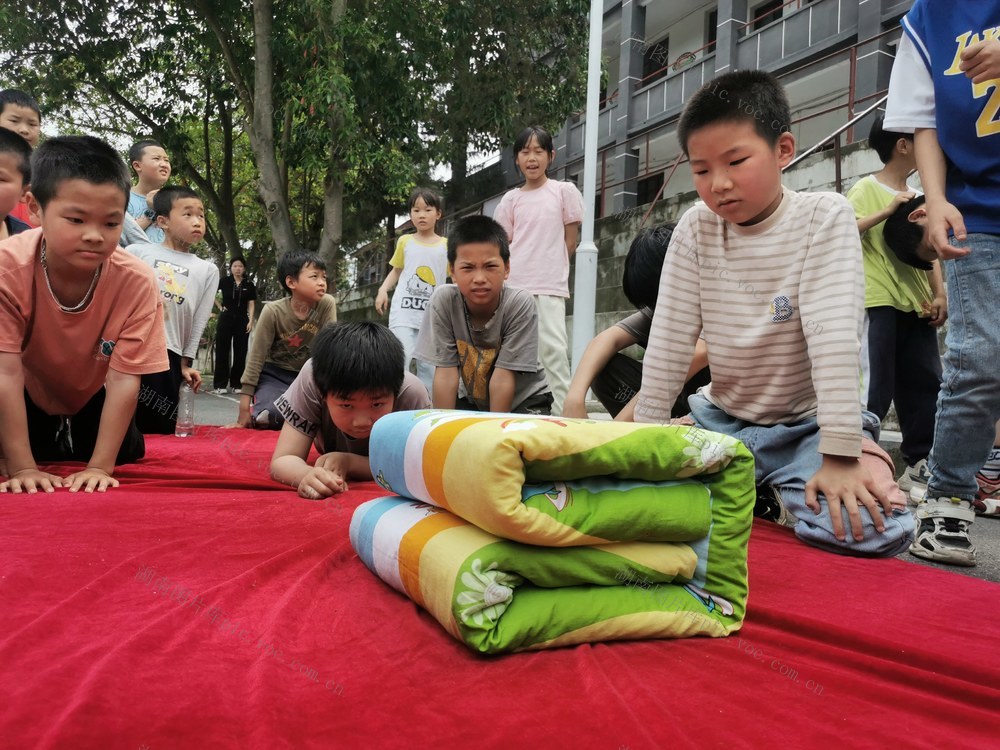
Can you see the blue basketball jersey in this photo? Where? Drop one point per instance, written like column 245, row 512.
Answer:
column 967, row 114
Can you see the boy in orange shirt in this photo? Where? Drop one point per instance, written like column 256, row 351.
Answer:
column 72, row 301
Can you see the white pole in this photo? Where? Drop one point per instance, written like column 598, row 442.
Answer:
column 585, row 283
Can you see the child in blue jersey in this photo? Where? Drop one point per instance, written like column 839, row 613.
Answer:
column 944, row 87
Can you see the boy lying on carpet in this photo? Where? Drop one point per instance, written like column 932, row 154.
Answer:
column 483, row 331
column 774, row 279
column 355, row 376
column 80, row 321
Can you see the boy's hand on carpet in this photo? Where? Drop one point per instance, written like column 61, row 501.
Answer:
column 321, row 482
column 90, row 479
column 845, row 482
column 31, row 481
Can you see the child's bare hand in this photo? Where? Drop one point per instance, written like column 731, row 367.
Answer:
column 320, row 483
column 845, row 482
column 381, row 302
column 192, row 377
column 31, row 481
column 936, row 311
column 574, row 408
column 90, row 479
column 981, row 61
column 898, row 200
column 942, row 216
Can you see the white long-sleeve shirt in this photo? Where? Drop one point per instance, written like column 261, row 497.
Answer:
column 781, row 304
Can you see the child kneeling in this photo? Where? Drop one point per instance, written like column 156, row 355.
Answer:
column 355, row 376
column 80, row 322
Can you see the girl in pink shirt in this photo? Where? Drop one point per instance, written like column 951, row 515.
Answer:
column 542, row 219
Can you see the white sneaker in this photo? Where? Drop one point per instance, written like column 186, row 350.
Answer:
column 943, row 534
column 914, row 476
column 218, row 391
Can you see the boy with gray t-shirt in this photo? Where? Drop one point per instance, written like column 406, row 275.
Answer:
column 482, row 331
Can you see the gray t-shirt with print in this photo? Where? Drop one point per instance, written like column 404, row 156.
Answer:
column 509, row 341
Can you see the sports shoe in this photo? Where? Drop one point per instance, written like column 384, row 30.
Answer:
column 218, row 391
column 914, row 476
column 262, row 419
column 987, row 502
column 770, row 507
column 943, row 535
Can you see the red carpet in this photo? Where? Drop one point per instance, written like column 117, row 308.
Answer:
column 202, row 605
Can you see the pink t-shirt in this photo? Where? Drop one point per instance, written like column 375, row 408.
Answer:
column 536, row 221
column 66, row 356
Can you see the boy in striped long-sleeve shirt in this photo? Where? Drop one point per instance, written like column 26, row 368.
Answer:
column 774, row 279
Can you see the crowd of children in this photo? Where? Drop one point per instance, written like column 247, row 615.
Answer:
column 760, row 311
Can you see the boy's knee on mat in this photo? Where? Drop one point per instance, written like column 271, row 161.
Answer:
column 900, row 527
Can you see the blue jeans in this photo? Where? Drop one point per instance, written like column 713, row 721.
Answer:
column 785, row 457
column 968, row 405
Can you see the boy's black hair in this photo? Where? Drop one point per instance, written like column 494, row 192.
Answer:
column 13, row 144
column 477, row 229
column 641, row 273
column 291, row 264
column 166, row 197
column 540, row 134
column 362, row 356
column 884, row 141
column 136, row 149
column 903, row 237
column 742, row 96
column 19, row 99
column 76, row 157
column 431, row 198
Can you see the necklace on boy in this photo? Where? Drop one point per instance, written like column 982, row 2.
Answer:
column 86, row 298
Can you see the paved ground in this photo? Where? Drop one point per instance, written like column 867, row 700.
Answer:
column 211, row 409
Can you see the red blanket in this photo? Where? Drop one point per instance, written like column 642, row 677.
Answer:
column 202, row 605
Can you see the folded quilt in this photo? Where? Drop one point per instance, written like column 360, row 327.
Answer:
column 498, row 596
column 585, row 517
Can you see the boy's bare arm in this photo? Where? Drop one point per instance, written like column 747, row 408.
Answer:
column 845, row 482
column 502, row 386
column 595, row 358
column 121, row 394
column 941, row 215
column 22, row 471
column 445, row 387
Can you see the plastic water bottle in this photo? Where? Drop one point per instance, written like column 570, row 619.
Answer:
column 185, row 411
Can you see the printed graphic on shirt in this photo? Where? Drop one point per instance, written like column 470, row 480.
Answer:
column 173, row 281
column 419, row 289
column 104, row 349
column 988, row 122
column 295, row 419
column 781, row 309
column 296, row 339
column 476, row 365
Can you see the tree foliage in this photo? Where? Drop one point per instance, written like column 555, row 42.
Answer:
column 303, row 123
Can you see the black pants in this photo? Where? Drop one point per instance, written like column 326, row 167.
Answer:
column 620, row 379
column 56, row 439
column 231, row 333
column 156, row 413
column 904, row 366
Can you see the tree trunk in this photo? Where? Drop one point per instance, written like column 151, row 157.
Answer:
column 457, row 188
column 333, row 184
column 261, row 133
